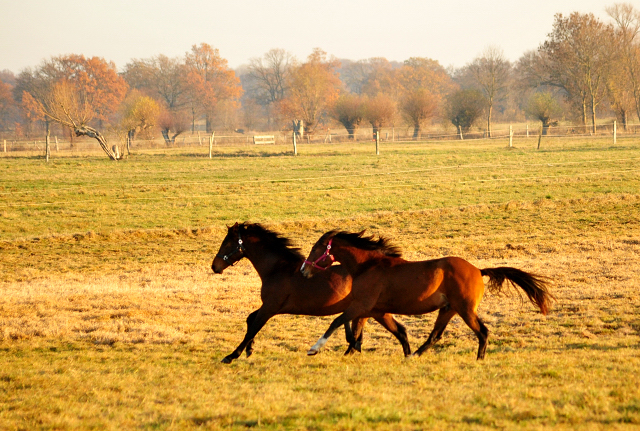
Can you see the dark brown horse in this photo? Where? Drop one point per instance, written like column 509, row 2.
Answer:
column 284, row 289
column 386, row 283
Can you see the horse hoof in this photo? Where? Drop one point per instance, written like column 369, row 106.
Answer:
column 312, row 352
column 227, row 360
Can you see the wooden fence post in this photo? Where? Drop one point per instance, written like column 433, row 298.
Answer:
column 378, row 143
column 615, row 131
column 5, row 145
column 56, row 144
column 199, row 138
column 295, row 147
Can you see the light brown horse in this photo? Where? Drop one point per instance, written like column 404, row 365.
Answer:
column 386, row 283
column 284, row 289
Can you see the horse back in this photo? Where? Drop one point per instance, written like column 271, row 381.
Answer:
column 417, row 287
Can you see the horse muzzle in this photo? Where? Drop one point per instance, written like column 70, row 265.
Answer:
column 218, row 265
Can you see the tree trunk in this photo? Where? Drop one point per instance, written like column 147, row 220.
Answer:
column 351, row 132
column 593, row 115
column 208, row 123
column 93, row 133
column 47, row 149
column 545, row 126
column 416, row 131
column 584, row 113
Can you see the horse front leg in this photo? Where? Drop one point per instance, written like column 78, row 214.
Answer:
column 249, row 349
column 254, row 325
column 357, row 325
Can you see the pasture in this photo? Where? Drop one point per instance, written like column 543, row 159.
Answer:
column 111, row 318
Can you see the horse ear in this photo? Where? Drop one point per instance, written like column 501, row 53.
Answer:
column 361, row 232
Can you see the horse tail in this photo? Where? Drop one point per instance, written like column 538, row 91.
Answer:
column 534, row 286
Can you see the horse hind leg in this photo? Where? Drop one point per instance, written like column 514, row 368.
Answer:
column 482, row 332
column 397, row 329
column 444, row 316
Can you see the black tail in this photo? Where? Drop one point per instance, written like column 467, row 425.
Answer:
column 533, row 285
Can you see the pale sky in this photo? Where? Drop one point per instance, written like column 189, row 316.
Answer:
column 452, row 32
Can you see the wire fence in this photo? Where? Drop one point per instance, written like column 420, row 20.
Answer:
column 326, row 136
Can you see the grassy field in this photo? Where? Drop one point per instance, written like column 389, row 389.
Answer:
column 111, row 318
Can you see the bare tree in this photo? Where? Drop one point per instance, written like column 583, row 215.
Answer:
column 74, row 91
column 492, row 74
column 62, row 104
column 268, row 78
column 160, row 77
column 269, row 75
column 627, row 19
column 577, row 56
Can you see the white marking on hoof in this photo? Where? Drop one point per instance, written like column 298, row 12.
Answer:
column 316, row 347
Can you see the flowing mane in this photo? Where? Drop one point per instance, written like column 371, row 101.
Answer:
column 273, row 241
column 362, row 242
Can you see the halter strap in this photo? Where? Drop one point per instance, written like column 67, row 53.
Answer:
column 327, row 253
column 239, row 249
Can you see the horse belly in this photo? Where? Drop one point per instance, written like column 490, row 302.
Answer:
column 413, row 289
column 319, row 300
column 411, row 306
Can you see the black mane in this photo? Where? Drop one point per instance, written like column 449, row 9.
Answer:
column 362, row 242
column 272, row 241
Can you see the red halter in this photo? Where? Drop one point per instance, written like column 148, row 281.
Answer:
column 326, row 254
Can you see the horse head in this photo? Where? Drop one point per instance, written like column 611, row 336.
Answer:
column 231, row 250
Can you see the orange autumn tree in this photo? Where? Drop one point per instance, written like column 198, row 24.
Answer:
column 314, row 87
column 75, row 92
column 211, row 83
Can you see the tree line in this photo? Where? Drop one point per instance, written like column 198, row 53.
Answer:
column 584, row 69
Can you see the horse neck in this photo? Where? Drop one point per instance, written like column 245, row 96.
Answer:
column 264, row 261
column 352, row 257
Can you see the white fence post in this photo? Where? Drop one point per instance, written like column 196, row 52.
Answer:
column 295, row 147
column 510, row 136
column 615, row 131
